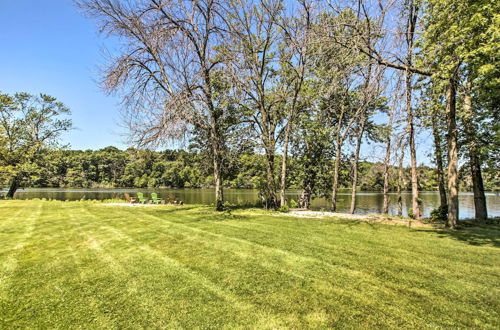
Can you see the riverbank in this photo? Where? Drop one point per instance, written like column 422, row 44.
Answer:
column 82, row 264
column 367, row 202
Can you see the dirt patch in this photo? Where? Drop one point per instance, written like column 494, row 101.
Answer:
column 131, row 205
column 362, row 217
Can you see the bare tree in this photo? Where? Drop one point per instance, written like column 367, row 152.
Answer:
column 341, row 71
column 253, row 50
column 169, row 70
column 370, row 92
column 296, row 53
column 386, row 53
column 387, row 159
column 411, row 22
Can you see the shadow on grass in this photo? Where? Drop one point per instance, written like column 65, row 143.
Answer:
column 479, row 236
column 199, row 213
column 172, row 209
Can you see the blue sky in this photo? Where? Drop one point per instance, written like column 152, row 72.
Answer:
column 49, row 46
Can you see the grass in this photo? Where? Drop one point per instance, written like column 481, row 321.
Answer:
column 85, row 265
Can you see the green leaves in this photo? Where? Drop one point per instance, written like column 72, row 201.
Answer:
column 29, row 127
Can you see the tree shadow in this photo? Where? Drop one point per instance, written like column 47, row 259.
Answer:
column 478, row 236
column 172, row 209
column 353, row 222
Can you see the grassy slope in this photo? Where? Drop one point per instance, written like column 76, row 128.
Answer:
column 86, row 265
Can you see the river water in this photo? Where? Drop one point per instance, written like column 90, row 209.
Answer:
column 367, row 202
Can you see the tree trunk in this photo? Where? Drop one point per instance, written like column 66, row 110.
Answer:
column 478, row 189
column 410, row 34
column 481, row 212
column 452, row 155
column 385, row 208
column 413, row 153
column 270, row 194
column 356, row 160
column 284, row 165
column 219, row 197
column 336, row 168
column 387, row 158
column 217, row 159
column 400, row 181
column 305, row 196
column 438, row 155
column 14, row 185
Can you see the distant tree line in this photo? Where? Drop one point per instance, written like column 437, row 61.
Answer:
column 142, row 168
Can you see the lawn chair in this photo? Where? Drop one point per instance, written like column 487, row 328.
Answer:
column 141, row 198
column 129, row 199
column 156, row 200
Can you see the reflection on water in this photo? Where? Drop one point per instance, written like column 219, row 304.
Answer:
column 367, row 202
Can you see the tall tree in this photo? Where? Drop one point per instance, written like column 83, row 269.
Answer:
column 401, row 177
column 412, row 8
column 313, row 151
column 374, row 22
column 451, row 123
column 433, row 114
column 294, row 63
column 30, row 126
column 169, row 69
column 438, row 157
column 454, row 44
column 370, row 103
column 469, row 115
column 339, row 71
column 252, row 50
column 388, row 139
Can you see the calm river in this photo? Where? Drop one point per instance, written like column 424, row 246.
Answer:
column 367, row 202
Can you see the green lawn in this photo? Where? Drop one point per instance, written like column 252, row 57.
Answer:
column 85, row 265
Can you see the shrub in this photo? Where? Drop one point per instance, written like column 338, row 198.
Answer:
column 410, row 213
column 440, row 213
column 293, row 204
column 227, row 208
column 284, row 209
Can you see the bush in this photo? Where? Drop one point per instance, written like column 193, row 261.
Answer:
column 228, row 208
column 410, row 213
column 227, row 205
column 293, row 204
column 440, row 214
column 284, row 209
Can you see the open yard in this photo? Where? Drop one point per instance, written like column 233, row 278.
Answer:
column 85, row 265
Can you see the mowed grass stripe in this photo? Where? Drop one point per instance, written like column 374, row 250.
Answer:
column 285, row 226
column 15, row 232
column 307, row 263
column 98, row 296
column 193, row 280
column 47, row 283
column 402, row 260
column 108, row 267
column 408, row 263
column 206, row 248
column 420, row 293
column 361, row 241
column 17, row 227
